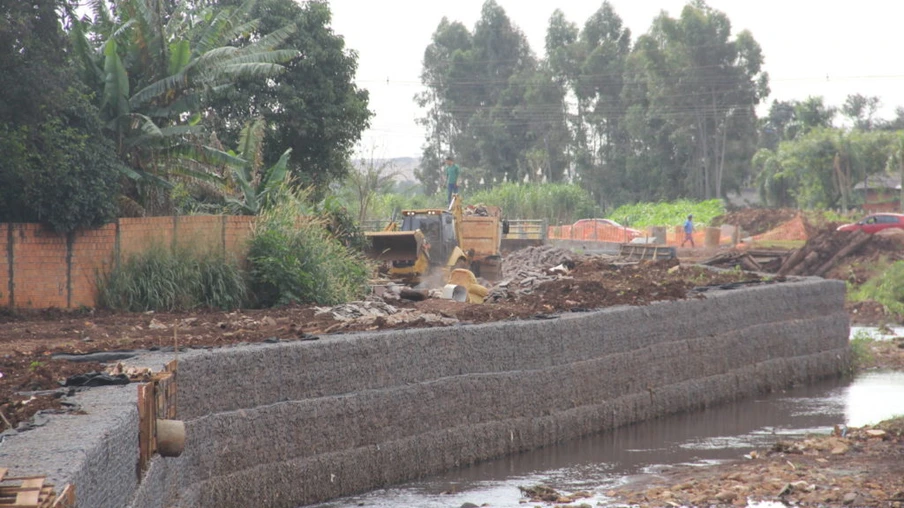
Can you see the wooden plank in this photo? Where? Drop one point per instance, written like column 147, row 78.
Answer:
column 30, row 497
column 3, row 472
column 66, row 499
column 146, row 420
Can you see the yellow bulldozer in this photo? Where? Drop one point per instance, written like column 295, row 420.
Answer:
column 439, row 246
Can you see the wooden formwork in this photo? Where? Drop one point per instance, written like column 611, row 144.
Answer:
column 156, row 399
column 33, row 492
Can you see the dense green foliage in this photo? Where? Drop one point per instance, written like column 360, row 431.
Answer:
column 135, row 100
column 59, row 170
column 819, row 166
column 643, row 215
column 558, row 202
column 491, row 103
column 887, row 288
column 56, row 167
column 163, row 280
column 295, row 259
column 155, row 67
column 671, row 115
column 313, row 107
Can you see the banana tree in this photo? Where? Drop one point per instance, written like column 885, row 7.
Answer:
column 154, row 70
column 255, row 186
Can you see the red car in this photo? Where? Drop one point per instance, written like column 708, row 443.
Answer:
column 876, row 222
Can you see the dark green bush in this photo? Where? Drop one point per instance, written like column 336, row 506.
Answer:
column 59, row 170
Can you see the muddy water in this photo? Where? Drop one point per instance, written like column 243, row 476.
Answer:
column 601, row 462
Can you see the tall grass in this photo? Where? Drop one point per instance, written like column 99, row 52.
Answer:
column 642, row 215
column 161, row 279
column 560, row 203
column 886, row 288
column 295, row 259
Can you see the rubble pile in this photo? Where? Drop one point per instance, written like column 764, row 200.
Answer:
column 536, row 259
column 527, row 268
column 376, row 314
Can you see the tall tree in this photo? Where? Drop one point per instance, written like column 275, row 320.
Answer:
column 445, row 98
column 490, row 103
column 705, row 84
column 56, row 167
column 314, row 107
column 155, row 68
column 860, row 109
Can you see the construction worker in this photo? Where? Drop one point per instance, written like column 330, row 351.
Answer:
column 451, row 171
column 688, row 231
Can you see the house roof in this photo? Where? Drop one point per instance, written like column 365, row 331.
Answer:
column 880, row 181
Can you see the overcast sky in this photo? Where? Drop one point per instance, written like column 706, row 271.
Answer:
column 810, row 47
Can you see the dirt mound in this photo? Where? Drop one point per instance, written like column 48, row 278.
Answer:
column 755, row 221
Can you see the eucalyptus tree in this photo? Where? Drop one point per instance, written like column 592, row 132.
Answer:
column 705, row 84
column 861, row 110
column 445, row 98
column 478, row 87
column 156, row 67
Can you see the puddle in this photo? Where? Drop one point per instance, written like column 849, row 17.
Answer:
column 604, row 461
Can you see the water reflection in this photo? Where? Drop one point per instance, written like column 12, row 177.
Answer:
column 601, row 462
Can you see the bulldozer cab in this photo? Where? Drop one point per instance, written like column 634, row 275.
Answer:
column 438, row 229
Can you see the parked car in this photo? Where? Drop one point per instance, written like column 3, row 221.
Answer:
column 876, row 222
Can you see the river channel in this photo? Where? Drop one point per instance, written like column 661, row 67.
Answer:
column 601, row 462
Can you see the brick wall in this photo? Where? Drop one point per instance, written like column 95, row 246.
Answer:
column 4, row 265
column 40, row 268
column 93, row 252
column 47, row 269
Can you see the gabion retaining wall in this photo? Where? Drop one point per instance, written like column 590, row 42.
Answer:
column 300, row 422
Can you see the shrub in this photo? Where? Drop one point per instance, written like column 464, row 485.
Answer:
column 886, row 288
column 60, row 170
column 642, row 215
column 860, row 349
column 163, row 280
column 294, row 259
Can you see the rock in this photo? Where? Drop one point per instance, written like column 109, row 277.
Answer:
column 268, row 321
column 469, row 505
column 849, row 498
column 726, row 496
column 876, row 433
column 156, row 325
column 840, row 449
column 189, row 321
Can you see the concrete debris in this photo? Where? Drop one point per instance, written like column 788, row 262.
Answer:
column 536, row 259
column 355, row 310
column 156, row 325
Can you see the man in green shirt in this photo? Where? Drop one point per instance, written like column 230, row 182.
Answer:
column 451, row 170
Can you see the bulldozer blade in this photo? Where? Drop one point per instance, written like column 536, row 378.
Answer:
column 394, row 245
